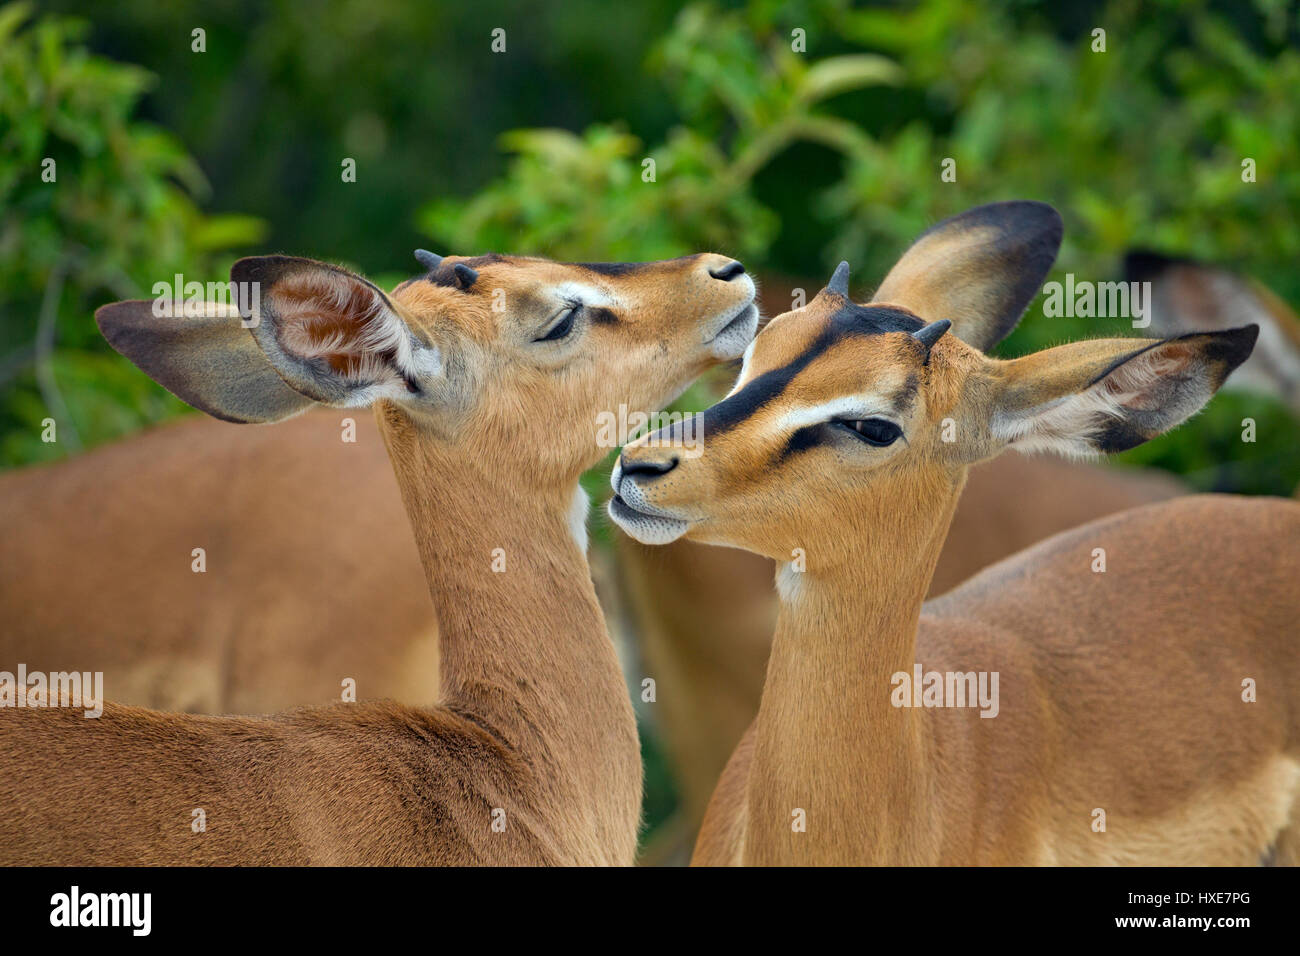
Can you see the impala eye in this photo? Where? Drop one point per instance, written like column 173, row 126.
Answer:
column 563, row 327
column 874, row 431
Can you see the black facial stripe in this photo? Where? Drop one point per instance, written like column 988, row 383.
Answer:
column 851, row 320
column 674, row 433
column 625, row 268
column 810, row 436
column 601, row 316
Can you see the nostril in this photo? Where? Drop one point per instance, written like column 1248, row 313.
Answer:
column 728, row 272
column 649, row 469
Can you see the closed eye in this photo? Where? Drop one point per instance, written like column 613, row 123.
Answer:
column 874, row 431
column 564, row 326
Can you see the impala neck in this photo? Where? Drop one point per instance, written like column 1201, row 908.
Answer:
column 523, row 645
column 828, row 740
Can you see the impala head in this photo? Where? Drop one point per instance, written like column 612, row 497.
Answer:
column 852, row 420
column 510, row 357
column 1189, row 296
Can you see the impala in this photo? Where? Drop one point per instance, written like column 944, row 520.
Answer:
column 1147, row 668
column 529, row 753
column 704, row 616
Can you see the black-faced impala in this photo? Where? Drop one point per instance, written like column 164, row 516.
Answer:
column 1122, row 693
column 486, row 376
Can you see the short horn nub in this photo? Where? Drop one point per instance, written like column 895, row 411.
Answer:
column 428, row 259
column 839, row 283
column 932, row 333
column 465, row 275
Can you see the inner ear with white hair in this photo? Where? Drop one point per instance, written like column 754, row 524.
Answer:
column 1109, row 395
column 301, row 332
column 332, row 335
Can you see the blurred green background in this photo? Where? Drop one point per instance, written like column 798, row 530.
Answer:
column 175, row 161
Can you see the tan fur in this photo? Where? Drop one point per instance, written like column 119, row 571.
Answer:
column 312, row 572
column 1119, row 691
column 1144, row 721
column 533, row 718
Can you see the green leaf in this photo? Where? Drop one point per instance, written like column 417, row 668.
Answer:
column 839, row 74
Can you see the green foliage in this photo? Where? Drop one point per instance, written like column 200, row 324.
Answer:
column 590, row 196
column 118, row 215
column 411, row 91
column 1140, row 144
column 582, row 197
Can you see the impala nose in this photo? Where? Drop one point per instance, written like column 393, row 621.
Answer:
column 647, row 469
column 729, row 271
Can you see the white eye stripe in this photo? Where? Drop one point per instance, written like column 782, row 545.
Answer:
column 588, row 295
column 850, row 407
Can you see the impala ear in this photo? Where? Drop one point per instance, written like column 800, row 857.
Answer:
column 1188, row 296
column 302, row 332
column 981, row 269
column 204, row 356
column 331, row 335
column 1109, row 395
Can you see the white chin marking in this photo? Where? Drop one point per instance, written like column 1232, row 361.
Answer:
column 732, row 341
column 578, row 509
column 648, row 529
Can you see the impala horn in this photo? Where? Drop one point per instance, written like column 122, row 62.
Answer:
column 465, row 275
column 931, row 333
column 428, row 259
column 839, row 283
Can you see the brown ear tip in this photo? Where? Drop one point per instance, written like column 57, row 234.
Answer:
column 106, row 322
column 247, row 269
column 1237, row 345
column 266, row 268
column 104, row 316
column 1031, row 215
column 1052, row 224
column 1045, row 211
column 1033, row 226
column 113, row 318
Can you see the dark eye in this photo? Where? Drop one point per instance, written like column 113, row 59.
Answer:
column 873, row 431
column 563, row 327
